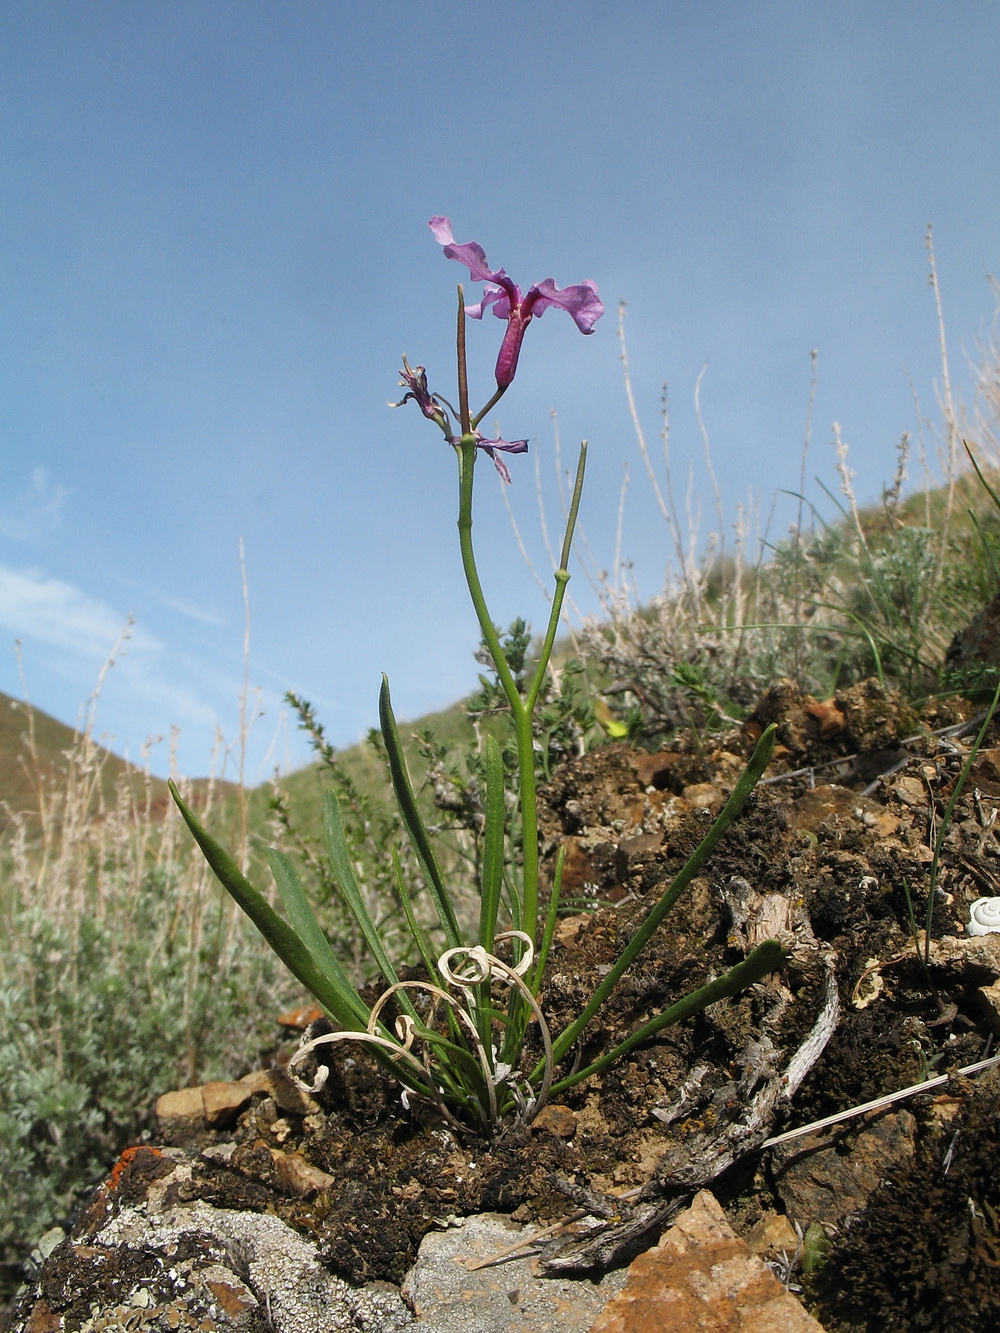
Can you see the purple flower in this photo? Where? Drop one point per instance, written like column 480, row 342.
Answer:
column 415, row 382
column 581, row 301
column 489, row 447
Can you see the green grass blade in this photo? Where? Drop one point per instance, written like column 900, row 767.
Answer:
column 982, row 477
column 749, row 778
column 303, row 921
column 493, row 844
column 985, row 544
column 339, row 1001
column 343, row 873
column 767, row 957
column 419, row 837
column 413, row 925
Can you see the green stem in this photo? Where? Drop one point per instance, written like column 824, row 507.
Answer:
column 463, row 376
column 562, row 578
column 466, row 450
column 491, row 404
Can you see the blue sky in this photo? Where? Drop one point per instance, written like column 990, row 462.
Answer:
column 214, row 250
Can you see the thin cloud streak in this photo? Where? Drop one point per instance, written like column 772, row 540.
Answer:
column 37, row 510
column 153, row 689
column 35, row 606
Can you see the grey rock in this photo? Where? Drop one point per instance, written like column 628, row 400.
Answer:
column 508, row 1297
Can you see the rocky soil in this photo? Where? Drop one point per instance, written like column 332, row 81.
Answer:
column 888, row 1221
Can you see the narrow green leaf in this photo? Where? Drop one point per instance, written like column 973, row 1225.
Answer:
column 419, row 837
column 342, row 1003
column 303, row 922
column 767, row 957
column 981, row 475
column 343, row 872
column 413, row 925
column 749, row 778
column 985, row 544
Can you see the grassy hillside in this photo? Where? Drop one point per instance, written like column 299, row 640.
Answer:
column 34, row 750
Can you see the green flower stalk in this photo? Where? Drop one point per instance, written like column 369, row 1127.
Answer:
column 457, row 1038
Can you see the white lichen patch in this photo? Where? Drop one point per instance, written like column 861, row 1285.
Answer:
column 246, row 1261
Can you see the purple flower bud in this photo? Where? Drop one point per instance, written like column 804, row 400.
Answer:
column 581, row 301
column 415, row 382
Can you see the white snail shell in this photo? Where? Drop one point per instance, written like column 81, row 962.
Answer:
column 984, row 917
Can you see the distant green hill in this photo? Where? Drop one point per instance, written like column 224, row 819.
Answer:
column 305, row 786
column 33, row 756
column 34, row 747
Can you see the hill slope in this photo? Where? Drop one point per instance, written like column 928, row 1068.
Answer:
column 33, row 753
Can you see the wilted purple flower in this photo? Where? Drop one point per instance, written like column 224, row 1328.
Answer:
column 581, row 300
column 415, row 382
column 489, row 447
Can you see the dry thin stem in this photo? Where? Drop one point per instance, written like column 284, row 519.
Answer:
column 948, row 403
column 634, row 414
column 244, row 701
column 879, row 1102
column 619, row 533
column 719, row 513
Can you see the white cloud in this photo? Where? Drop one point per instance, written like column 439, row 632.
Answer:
column 188, row 610
column 192, row 612
column 40, row 610
column 35, row 606
column 35, row 510
column 156, row 685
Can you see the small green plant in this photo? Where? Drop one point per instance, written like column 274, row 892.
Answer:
column 459, row 1038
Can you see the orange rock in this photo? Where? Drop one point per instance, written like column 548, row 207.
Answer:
column 300, row 1018
column 183, row 1104
column 558, row 1120
column 989, row 1000
column 232, row 1300
column 569, row 928
column 705, row 796
column 259, row 1080
column 828, row 715
column 702, row 1278
column 578, row 869
column 294, row 1175
column 287, row 1094
column 42, row 1320
column 773, row 1235
column 652, row 770
column 910, row 791
column 224, row 1101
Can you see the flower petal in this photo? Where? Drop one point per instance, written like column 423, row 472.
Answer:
column 415, row 381
column 508, row 446
column 581, row 301
column 490, row 447
column 499, row 464
column 473, row 256
column 491, row 297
